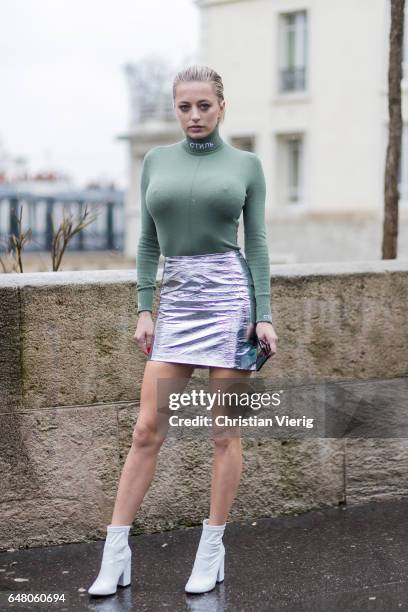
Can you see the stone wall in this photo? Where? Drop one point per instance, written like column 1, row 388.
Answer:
column 70, row 380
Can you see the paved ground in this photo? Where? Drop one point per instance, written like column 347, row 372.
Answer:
column 340, row 559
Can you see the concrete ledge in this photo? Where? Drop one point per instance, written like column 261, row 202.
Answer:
column 70, row 379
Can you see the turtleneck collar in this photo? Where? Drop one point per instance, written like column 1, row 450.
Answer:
column 203, row 146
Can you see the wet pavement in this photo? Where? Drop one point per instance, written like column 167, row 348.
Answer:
column 338, row 559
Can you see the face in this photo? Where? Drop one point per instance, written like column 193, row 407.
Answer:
column 197, row 108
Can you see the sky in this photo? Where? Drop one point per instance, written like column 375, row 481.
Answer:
column 64, row 93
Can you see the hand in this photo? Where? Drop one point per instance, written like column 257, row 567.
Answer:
column 144, row 331
column 266, row 333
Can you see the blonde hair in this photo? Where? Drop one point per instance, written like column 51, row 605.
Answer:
column 201, row 73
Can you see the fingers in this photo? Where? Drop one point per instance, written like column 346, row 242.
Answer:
column 268, row 343
column 147, row 344
column 265, row 345
column 144, row 341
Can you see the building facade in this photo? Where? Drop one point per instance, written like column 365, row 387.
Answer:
column 306, row 89
column 306, row 83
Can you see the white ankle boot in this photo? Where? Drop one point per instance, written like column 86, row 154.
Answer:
column 208, row 568
column 116, row 562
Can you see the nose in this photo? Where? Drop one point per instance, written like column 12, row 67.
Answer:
column 196, row 114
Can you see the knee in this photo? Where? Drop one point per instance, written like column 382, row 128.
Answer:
column 223, row 444
column 146, row 438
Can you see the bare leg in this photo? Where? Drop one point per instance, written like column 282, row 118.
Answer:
column 227, row 461
column 148, row 435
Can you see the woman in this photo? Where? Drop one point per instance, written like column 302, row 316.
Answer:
column 212, row 300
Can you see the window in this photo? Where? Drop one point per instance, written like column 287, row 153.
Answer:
column 293, row 51
column 294, row 146
column 246, row 143
column 290, row 174
column 403, row 169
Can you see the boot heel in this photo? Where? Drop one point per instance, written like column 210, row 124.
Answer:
column 220, row 573
column 124, row 579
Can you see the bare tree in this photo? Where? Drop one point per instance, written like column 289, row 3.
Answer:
column 149, row 84
column 393, row 159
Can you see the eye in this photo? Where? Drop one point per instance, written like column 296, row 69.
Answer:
column 185, row 108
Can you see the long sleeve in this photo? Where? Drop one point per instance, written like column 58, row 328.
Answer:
column 148, row 251
column 256, row 248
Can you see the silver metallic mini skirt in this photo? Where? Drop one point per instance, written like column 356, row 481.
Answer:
column 206, row 313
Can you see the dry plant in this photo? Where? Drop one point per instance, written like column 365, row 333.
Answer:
column 8, row 262
column 65, row 233
column 14, row 248
column 12, row 261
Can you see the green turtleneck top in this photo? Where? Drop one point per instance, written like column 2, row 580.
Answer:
column 192, row 196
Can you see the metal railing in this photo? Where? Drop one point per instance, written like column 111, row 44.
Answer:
column 43, row 214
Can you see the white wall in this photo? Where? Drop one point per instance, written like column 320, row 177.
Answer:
column 342, row 115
